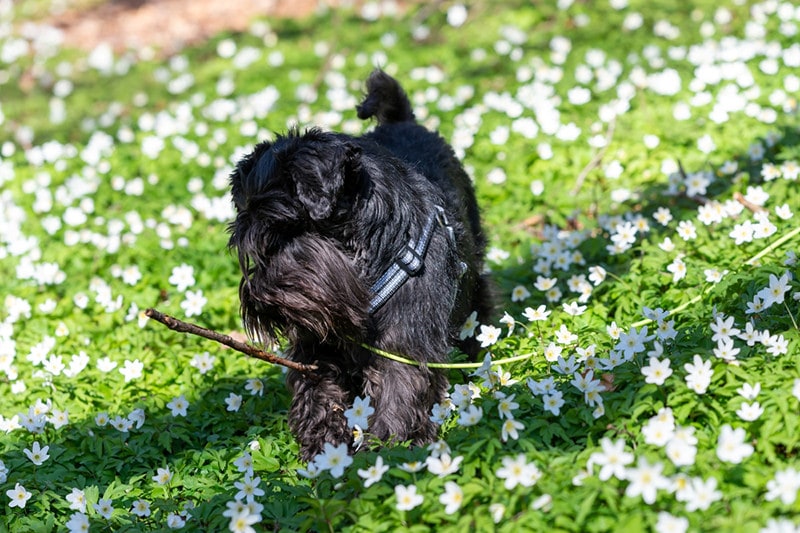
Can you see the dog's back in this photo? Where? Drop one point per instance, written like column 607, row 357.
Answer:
column 430, row 155
column 424, row 150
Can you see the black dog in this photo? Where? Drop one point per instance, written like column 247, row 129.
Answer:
column 346, row 241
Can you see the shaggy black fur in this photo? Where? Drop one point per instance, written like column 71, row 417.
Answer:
column 320, row 216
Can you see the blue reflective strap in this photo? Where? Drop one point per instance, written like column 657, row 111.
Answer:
column 408, row 263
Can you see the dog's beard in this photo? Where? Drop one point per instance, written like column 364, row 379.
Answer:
column 308, row 287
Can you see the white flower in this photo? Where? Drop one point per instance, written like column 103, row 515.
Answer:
column 573, row 309
column 163, row 476
column 178, row 406
column 457, row 15
column 104, row 508
column 750, row 335
column 175, row 521
column 101, row 419
column 750, row 411
column 775, row 344
column 506, row 405
column 667, row 245
column 18, row 496
column 612, row 459
column 553, row 402
column 533, row 315
column 517, row 471
column 359, row 414
column 443, row 465
column 374, row 473
column 452, row 498
column 686, row 230
column 37, row 454
column 742, row 233
column 194, row 303
column 725, row 350
column 105, row 364
column 645, row 480
column 658, row 431
column 779, row 525
column 756, row 306
column 131, row 370
column 552, row 352
column 440, row 413
column 784, row 212
column 519, row 293
column 412, row 467
column 681, row 452
column 254, row 386
column 470, row 416
column 311, row 471
column 241, row 522
column 731, row 445
column 407, row 497
column 749, row 392
column 249, row 488
column 723, row 328
column 597, row 275
column 244, row 464
column 182, row 277
column 141, row 508
column 203, row 362
column 77, row 523
column 77, row 500
column 233, row 402
column 657, row 371
column 702, row 494
column 121, row 424
column 488, row 335
column 713, row 275
column 510, row 429
column 334, row 458
column 706, row 144
column 774, row 293
column 667, row 523
column 784, row 486
column 468, row 329
column 678, row 269
column 566, row 367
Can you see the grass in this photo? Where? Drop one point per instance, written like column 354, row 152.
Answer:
column 119, row 203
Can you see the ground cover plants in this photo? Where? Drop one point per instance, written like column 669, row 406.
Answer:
column 637, row 164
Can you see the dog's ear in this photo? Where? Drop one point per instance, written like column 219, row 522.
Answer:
column 248, row 177
column 323, row 172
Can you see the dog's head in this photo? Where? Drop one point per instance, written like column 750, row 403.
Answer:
column 293, row 200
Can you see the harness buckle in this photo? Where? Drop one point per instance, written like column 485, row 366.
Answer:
column 410, row 261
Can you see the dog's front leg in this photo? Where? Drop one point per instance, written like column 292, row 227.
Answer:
column 316, row 415
column 403, row 396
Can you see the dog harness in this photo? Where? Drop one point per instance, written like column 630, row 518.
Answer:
column 410, row 260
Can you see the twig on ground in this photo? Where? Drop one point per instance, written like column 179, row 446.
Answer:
column 596, row 160
column 247, row 349
column 747, row 203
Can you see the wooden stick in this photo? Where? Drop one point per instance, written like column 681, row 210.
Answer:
column 247, row 349
column 747, row 204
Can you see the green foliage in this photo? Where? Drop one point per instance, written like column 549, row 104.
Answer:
column 585, row 127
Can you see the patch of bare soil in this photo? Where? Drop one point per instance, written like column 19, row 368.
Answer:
column 170, row 25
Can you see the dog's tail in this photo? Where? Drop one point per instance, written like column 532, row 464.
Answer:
column 385, row 100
